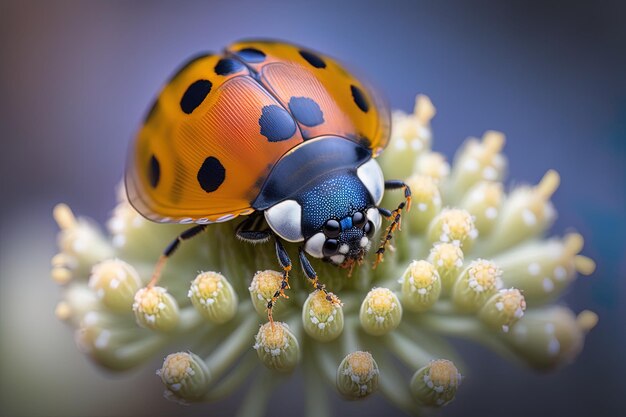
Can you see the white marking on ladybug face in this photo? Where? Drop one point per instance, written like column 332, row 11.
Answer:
column 371, row 176
column 343, row 248
column 374, row 216
column 314, row 245
column 338, row 259
column 364, row 241
column 285, row 219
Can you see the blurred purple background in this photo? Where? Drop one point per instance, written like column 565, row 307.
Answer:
column 76, row 78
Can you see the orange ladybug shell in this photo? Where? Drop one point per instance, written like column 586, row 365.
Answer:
column 223, row 121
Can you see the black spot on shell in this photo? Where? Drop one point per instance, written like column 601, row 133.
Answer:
column 251, row 55
column 306, row 111
column 276, row 123
column 154, row 171
column 195, row 95
column 227, row 66
column 312, row 59
column 359, row 98
column 211, row 174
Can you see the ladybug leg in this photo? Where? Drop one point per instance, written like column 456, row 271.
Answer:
column 171, row 248
column 310, row 273
column 395, row 216
column 285, row 263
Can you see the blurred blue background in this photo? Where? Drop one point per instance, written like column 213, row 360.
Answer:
column 76, row 78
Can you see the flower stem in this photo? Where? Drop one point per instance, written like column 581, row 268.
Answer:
column 409, row 352
column 228, row 352
column 255, row 403
column 233, row 379
column 316, row 399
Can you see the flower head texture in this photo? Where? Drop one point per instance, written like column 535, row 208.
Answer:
column 470, row 260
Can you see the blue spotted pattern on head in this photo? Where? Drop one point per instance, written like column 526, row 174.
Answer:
column 227, row 66
column 276, row 123
column 306, row 111
column 337, row 196
column 346, row 223
column 251, row 55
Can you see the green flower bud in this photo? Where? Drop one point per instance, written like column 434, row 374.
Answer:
column 155, row 309
column 262, row 288
column 503, row 309
column 410, row 136
column 357, row 375
column 550, row 337
column 185, row 376
column 478, row 161
column 78, row 302
column 213, row 296
column 138, row 237
column 448, row 260
column 425, row 200
column 62, row 266
column 543, row 270
column 323, row 321
column 435, row 384
column 526, row 213
column 483, row 202
column 434, row 165
column 106, row 339
column 81, row 241
column 453, row 226
column 381, row 312
column 421, row 286
column 115, row 283
column 277, row 347
column 476, row 284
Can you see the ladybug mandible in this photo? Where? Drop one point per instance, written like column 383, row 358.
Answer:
column 275, row 132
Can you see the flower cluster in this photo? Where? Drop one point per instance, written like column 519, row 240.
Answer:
column 470, row 261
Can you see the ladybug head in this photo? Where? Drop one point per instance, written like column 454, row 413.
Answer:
column 343, row 241
column 335, row 214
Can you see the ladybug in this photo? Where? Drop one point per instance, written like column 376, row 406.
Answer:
column 278, row 133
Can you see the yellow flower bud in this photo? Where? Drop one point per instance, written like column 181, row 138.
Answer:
column 426, row 202
column 262, row 288
column 156, row 309
column 185, row 376
column 478, row 161
column 381, row 312
column 357, row 375
column 115, row 283
column 543, row 270
column 526, row 213
column 421, row 286
column 550, row 337
column 453, row 226
column 323, row 321
column 476, row 284
column 434, row 165
column 277, row 347
column 503, row 309
column 436, row 384
column 448, row 260
column 483, row 202
column 213, row 296
column 80, row 240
